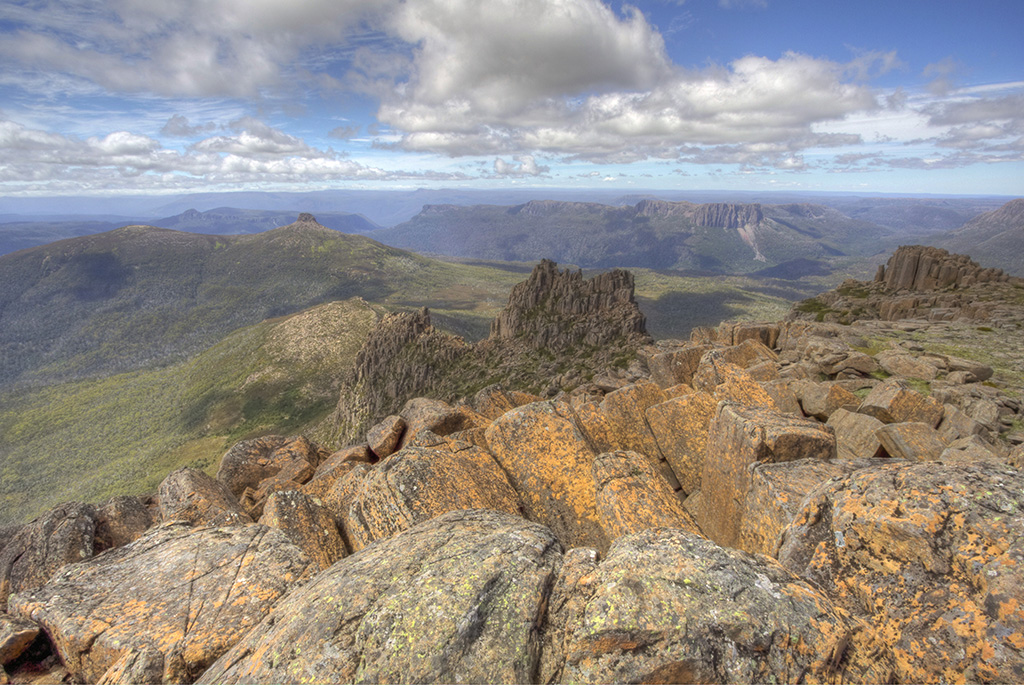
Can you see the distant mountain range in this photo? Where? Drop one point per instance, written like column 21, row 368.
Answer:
column 994, row 238
column 141, row 295
column 713, row 238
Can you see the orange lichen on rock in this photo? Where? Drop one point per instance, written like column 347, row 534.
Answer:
column 632, row 496
column 928, row 553
column 741, row 437
column 548, row 461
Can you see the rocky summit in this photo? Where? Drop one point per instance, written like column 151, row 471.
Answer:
column 834, row 498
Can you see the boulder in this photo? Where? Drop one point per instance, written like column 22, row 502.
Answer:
column 894, row 402
column 748, row 353
column 249, row 462
column 741, row 437
column 624, row 410
column 929, row 553
column 63, row 535
column 417, row 484
column 906, row 365
column 383, row 438
column 913, row 441
column 549, row 463
column 189, row 593
column 310, row 526
column 192, row 496
column 632, row 496
column 676, row 366
column 292, row 475
column 777, row 491
column 459, row 598
column 856, row 436
column 972, row 450
column 729, row 382
column 680, row 427
column 143, row 664
column 821, row 399
column 492, row 402
column 121, row 520
column 16, row 634
column 783, row 394
column 437, row 417
column 956, row 424
column 667, row 606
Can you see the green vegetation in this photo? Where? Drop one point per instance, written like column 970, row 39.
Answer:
column 88, row 440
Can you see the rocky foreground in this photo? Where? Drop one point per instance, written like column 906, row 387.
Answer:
column 766, row 502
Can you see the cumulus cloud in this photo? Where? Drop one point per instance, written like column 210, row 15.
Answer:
column 521, row 165
column 178, row 126
column 257, row 154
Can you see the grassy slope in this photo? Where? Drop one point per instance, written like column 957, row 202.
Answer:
column 91, row 439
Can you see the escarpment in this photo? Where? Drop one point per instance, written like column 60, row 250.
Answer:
column 794, row 501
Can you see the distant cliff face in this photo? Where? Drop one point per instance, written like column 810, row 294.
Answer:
column 720, row 215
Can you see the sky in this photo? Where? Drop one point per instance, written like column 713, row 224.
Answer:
column 106, row 97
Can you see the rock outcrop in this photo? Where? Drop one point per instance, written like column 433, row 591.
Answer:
column 925, row 283
column 922, row 268
column 556, row 310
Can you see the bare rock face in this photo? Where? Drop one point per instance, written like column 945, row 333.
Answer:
column 63, row 535
column 187, row 593
column 196, row 498
column 721, row 215
column 930, row 553
column 556, row 310
column 667, row 606
column 16, row 634
column 460, row 598
column 417, row 484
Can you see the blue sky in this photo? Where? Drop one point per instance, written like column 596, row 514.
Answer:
column 135, row 96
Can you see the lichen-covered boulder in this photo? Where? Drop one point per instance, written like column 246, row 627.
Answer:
column 249, row 462
column 383, row 437
column 856, row 434
column 624, row 410
column 190, row 593
column 741, row 437
column 63, row 535
column 667, row 606
column 632, row 496
column 895, row 402
column 192, row 496
column 778, row 490
column 932, row 556
column 548, row 461
column 459, row 598
column 310, row 526
column 680, row 427
column 121, row 520
column 911, row 440
column 16, row 634
column 419, row 483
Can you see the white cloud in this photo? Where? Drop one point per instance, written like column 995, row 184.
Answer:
column 521, row 165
